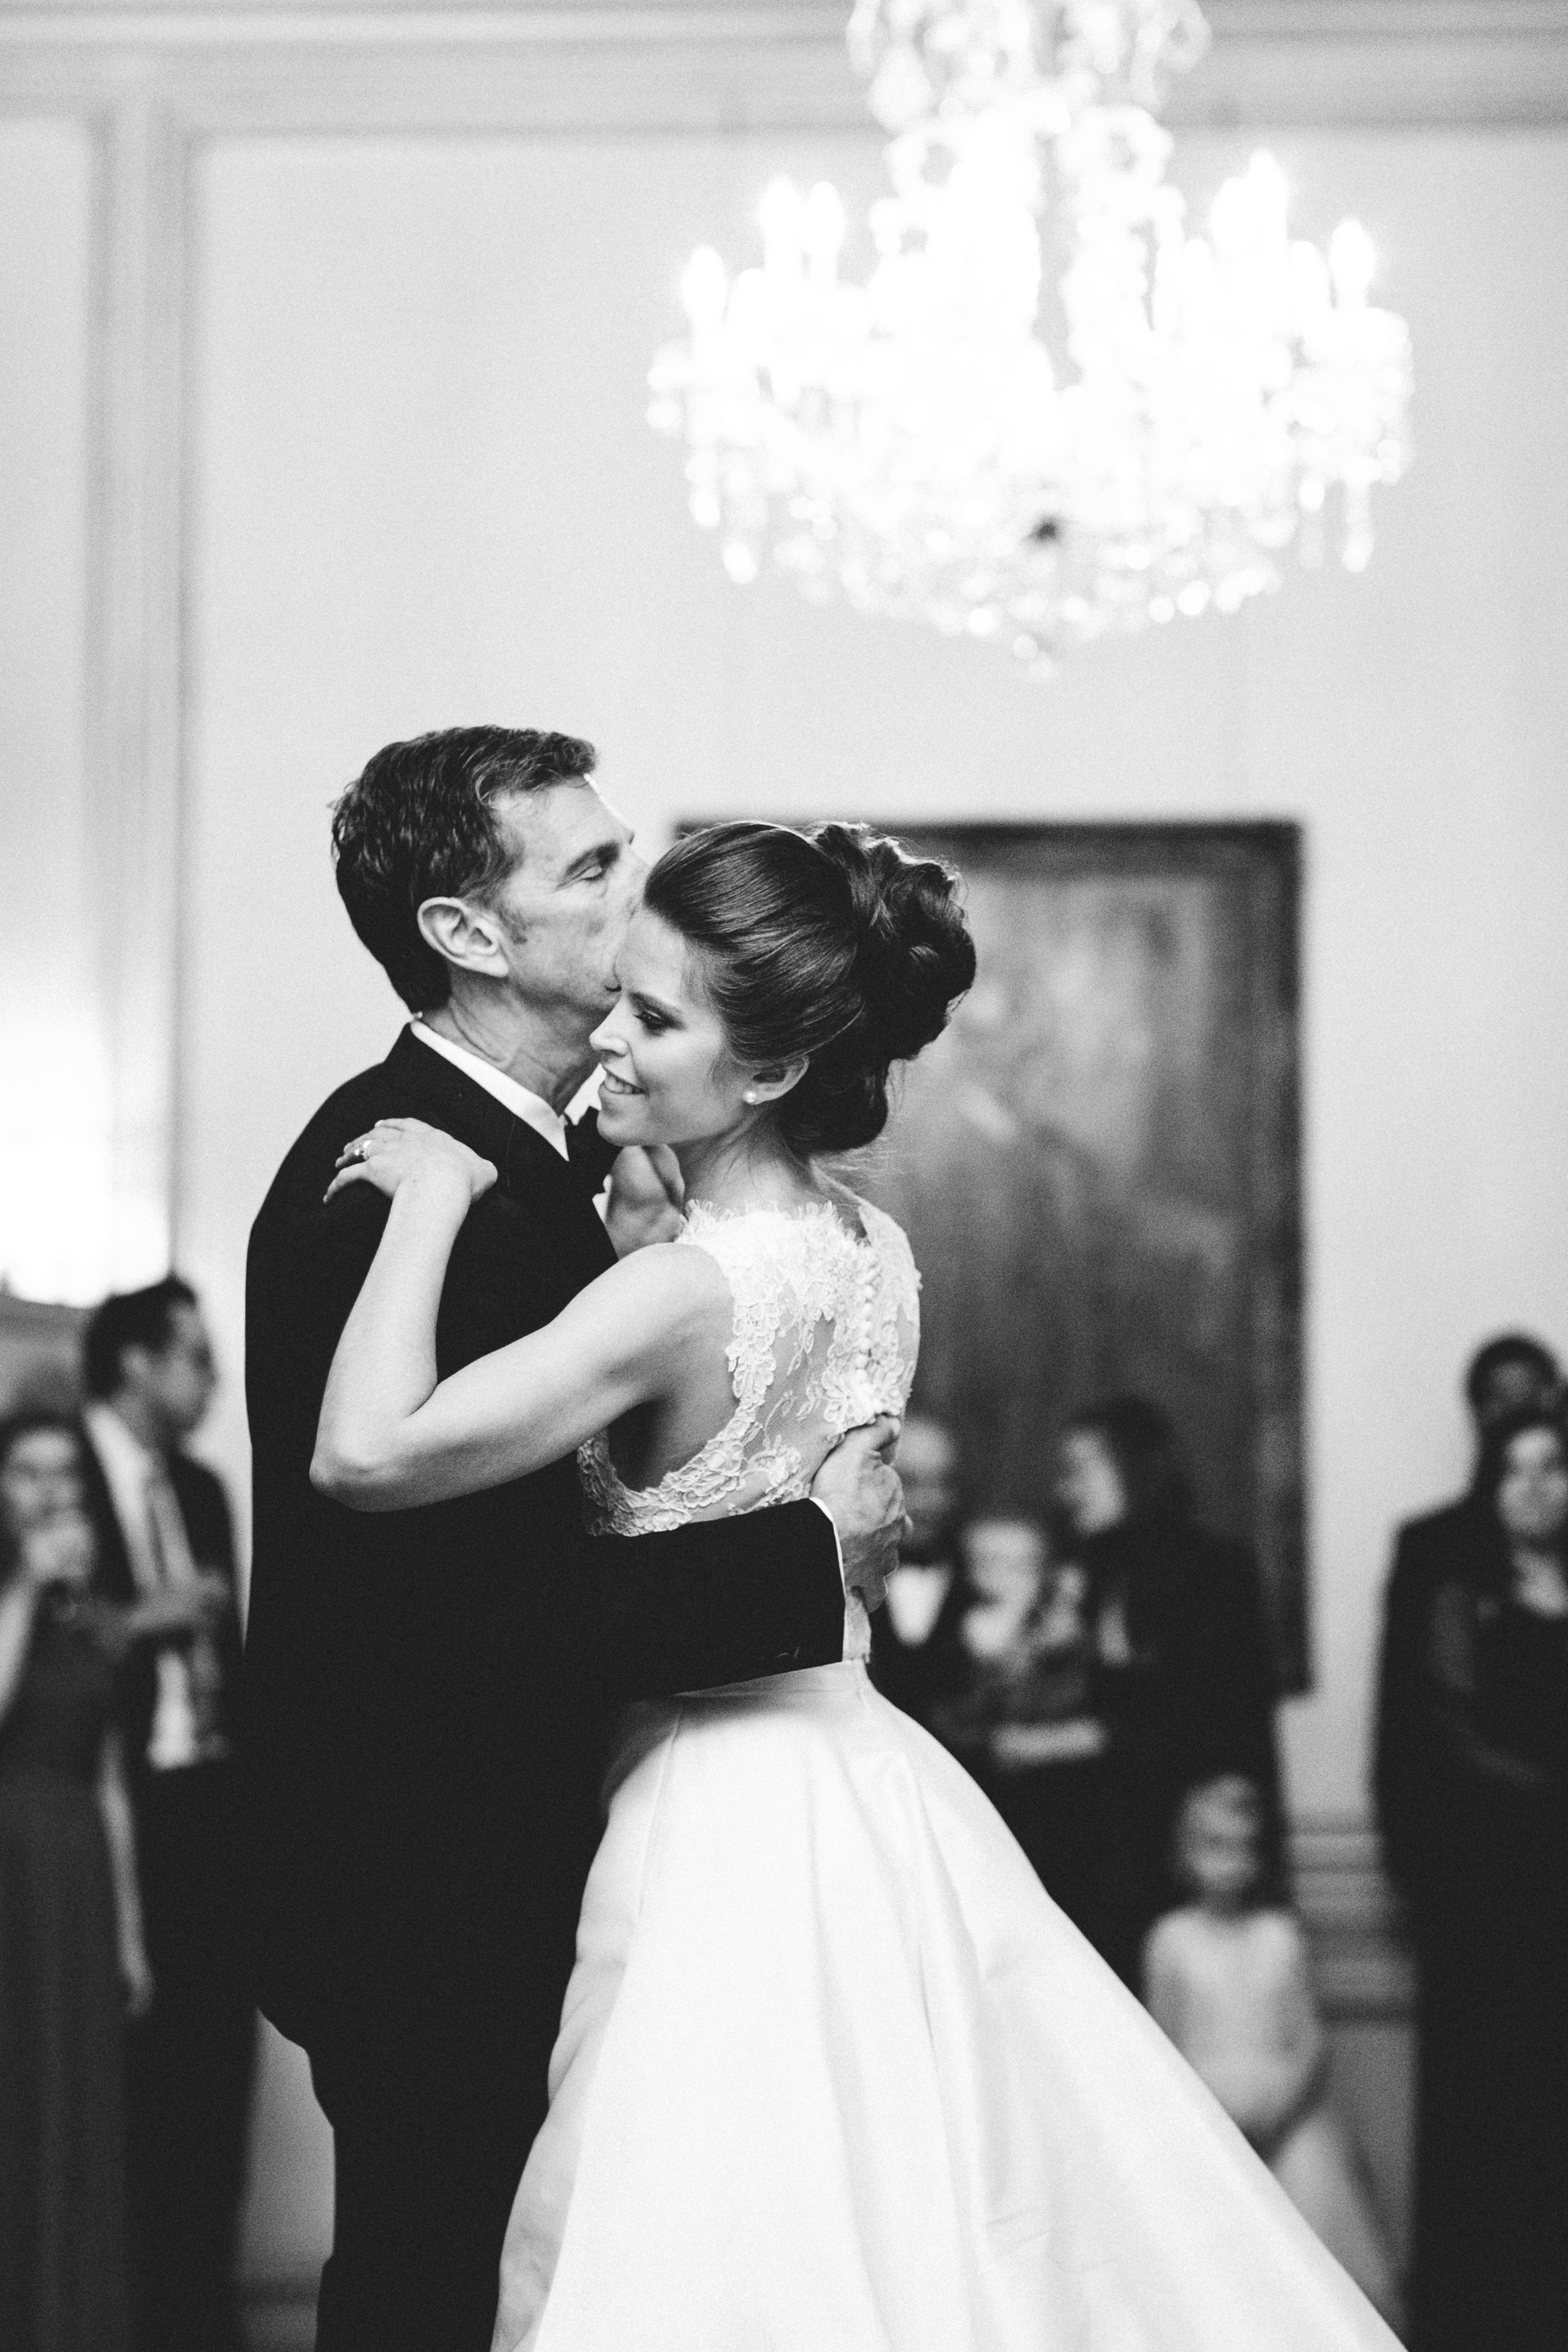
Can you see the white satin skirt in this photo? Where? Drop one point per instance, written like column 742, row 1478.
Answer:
column 834, row 2075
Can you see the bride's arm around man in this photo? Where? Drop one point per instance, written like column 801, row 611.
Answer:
column 425, row 1687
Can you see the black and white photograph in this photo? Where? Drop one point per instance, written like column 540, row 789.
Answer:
column 783, row 1260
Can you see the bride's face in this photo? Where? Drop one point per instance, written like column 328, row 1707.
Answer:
column 669, row 1075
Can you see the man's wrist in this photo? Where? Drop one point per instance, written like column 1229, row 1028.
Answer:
column 837, row 1545
column 838, row 1552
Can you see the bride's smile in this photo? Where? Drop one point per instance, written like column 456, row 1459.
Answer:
column 670, row 1073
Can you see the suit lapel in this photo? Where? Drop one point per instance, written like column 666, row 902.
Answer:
column 113, row 1560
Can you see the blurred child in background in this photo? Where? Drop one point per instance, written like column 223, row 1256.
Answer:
column 1226, row 1977
column 1021, row 1721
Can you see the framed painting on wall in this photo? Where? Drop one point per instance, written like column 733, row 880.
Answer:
column 1098, row 1167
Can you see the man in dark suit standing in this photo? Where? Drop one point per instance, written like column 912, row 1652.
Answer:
column 166, row 1562
column 426, row 1691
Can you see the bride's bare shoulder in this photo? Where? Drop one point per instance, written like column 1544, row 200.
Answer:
column 665, row 1288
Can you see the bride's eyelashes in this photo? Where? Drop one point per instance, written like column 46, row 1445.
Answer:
column 653, row 1017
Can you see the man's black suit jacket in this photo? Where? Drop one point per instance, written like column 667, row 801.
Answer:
column 425, row 1691
column 210, row 1529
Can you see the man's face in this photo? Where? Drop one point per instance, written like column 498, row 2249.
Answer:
column 176, row 1382
column 1512, row 1382
column 570, row 892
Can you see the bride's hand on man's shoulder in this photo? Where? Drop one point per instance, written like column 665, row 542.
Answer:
column 398, row 1151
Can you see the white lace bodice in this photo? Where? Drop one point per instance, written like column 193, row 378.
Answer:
column 827, row 1323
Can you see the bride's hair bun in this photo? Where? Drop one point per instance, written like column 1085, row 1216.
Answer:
column 838, row 943
column 912, row 945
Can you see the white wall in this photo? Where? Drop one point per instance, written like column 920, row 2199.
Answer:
column 425, row 494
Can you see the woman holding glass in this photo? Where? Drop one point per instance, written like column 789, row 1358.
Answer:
column 72, row 1953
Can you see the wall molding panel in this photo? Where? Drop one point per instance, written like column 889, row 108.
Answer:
column 1413, row 63
column 135, row 648
column 1363, row 1966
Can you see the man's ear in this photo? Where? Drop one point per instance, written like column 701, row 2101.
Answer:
column 464, row 935
column 777, row 1078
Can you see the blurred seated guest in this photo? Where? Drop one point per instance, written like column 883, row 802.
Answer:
column 1227, row 1976
column 71, row 1950
column 1021, row 1719
column 913, row 1637
column 166, row 1558
column 1181, row 1677
column 1472, row 1790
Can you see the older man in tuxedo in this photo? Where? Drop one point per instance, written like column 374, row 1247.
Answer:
column 166, row 1560
column 426, row 1691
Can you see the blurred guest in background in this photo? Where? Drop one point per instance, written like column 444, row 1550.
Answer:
column 1511, row 1371
column 913, row 1636
column 1021, row 1718
column 1181, row 1682
column 166, row 1558
column 71, row 1949
column 1472, row 1793
column 1227, row 1976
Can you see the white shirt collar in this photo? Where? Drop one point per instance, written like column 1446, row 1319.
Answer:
column 127, row 1467
column 519, row 1100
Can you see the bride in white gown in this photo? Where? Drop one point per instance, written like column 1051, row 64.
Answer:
column 833, row 2074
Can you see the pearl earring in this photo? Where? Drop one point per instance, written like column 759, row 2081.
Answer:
column 749, row 1096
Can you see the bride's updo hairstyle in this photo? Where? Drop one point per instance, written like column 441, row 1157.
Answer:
column 835, row 944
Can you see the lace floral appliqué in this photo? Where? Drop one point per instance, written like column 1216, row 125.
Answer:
column 826, row 1325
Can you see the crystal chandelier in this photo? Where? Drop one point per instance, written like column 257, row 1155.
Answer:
column 1028, row 456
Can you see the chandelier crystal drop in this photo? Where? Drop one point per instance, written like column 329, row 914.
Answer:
column 1035, row 455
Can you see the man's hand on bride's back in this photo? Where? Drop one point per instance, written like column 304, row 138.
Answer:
column 399, row 1151
column 646, row 1195
column 859, row 1487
